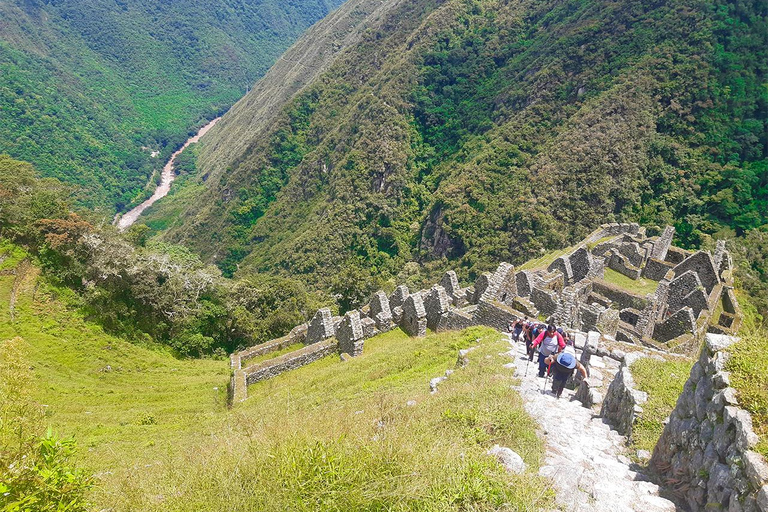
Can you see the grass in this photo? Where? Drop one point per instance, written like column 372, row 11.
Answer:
column 663, row 381
column 546, row 260
column 640, row 286
column 330, row 436
column 749, row 371
column 271, row 355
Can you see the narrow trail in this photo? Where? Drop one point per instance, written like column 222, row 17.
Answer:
column 585, row 460
column 166, row 178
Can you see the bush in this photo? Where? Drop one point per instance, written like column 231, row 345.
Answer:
column 45, row 480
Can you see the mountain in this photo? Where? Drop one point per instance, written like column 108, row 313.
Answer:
column 479, row 131
column 89, row 88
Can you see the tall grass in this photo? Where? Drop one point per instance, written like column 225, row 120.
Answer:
column 359, row 435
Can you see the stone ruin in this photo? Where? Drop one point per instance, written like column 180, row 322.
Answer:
column 693, row 295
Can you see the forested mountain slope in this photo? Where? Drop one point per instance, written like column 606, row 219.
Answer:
column 85, row 84
column 487, row 130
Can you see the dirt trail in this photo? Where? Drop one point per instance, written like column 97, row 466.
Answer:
column 20, row 273
column 585, row 460
column 165, row 181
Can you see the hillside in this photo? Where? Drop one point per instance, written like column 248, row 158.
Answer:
column 486, row 131
column 88, row 89
column 156, row 432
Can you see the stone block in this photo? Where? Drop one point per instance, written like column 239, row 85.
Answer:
column 562, row 265
column 414, row 320
column 436, row 305
column 679, row 288
column 369, row 326
column 482, row 283
column 662, row 244
column 380, row 311
column 756, row 469
column 620, row 263
column 655, row 269
column 397, row 299
column 702, row 264
column 676, row 325
column 350, row 334
column 581, row 263
column 451, row 285
column 321, row 327
column 544, row 300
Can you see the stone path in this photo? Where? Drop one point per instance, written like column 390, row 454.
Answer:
column 585, row 460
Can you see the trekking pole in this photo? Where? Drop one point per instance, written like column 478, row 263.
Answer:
column 527, row 364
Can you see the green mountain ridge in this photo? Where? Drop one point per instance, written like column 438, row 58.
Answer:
column 480, row 131
column 89, row 88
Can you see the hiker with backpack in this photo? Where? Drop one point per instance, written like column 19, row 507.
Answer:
column 517, row 328
column 549, row 342
column 562, row 366
column 528, row 337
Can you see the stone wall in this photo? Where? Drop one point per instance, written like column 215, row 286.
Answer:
column 623, row 402
column 706, row 449
column 290, row 361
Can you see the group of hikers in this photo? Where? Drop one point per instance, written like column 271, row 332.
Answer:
column 557, row 354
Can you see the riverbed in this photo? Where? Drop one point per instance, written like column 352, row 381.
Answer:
column 166, row 178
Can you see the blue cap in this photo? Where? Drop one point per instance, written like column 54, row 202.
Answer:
column 566, row 359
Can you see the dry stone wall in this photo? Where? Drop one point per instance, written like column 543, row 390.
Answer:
column 570, row 292
column 707, row 448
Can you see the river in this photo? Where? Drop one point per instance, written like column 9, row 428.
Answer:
column 165, row 181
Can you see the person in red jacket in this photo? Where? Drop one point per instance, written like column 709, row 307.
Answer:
column 549, row 342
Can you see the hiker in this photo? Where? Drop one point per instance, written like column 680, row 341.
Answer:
column 549, row 342
column 528, row 337
column 563, row 365
column 517, row 328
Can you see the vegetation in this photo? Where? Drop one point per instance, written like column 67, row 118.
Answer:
column 749, row 372
column 640, row 286
column 142, row 289
column 663, row 380
column 159, row 436
column 474, row 131
column 89, row 89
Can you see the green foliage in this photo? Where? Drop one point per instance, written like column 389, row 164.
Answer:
column 663, row 381
column 469, row 132
column 89, row 89
column 45, row 480
column 36, row 470
column 749, row 372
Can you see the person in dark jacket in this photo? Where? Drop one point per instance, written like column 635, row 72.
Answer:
column 563, row 366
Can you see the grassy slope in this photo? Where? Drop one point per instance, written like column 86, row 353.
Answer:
column 749, row 372
column 330, row 436
column 663, row 381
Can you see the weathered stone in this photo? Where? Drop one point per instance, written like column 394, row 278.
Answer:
column 320, row 327
column 350, row 334
column 581, row 263
column 369, row 327
column 436, row 305
column 451, row 285
column 511, row 461
column 524, row 281
column 481, row 285
column 500, row 286
column 762, row 498
column 661, row 246
column 703, row 266
column 414, row 321
column 380, row 312
column 621, row 402
column 718, row 342
column 622, row 265
column 397, row 299
column 756, row 469
column 562, row 265
column 544, row 300
column 676, row 325
column 634, row 254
